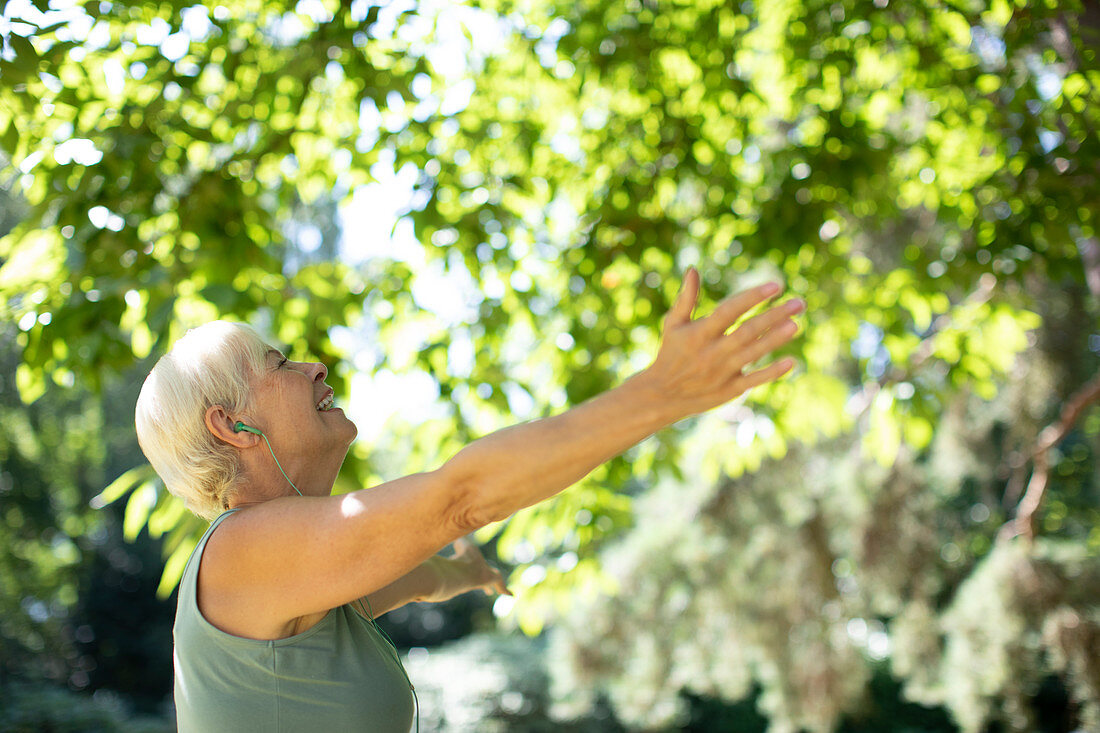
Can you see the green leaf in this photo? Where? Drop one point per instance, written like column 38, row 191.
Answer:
column 26, row 58
column 30, row 382
column 174, row 567
column 141, row 502
column 123, row 484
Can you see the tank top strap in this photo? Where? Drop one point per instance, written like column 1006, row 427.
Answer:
column 189, row 576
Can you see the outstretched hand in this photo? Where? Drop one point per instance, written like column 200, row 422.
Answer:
column 700, row 366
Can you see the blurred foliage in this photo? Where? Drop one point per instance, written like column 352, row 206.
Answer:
column 71, row 590
column 923, row 174
column 493, row 683
column 803, row 585
column 26, row 708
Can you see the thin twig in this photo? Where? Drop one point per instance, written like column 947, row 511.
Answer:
column 1051, row 435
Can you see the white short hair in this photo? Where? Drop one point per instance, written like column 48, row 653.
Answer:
column 214, row 364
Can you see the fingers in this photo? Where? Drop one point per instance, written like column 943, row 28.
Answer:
column 498, row 587
column 487, row 578
column 758, row 337
column 737, row 305
column 680, row 313
column 743, row 352
column 769, row 373
column 770, row 320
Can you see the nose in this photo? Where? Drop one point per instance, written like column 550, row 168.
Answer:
column 319, row 371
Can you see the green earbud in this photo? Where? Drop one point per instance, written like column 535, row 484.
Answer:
column 246, row 428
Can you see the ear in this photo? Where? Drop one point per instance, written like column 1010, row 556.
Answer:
column 220, row 424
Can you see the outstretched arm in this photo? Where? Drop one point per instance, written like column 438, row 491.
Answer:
column 698, row 367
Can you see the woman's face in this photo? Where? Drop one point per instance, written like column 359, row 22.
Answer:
column 293, row 407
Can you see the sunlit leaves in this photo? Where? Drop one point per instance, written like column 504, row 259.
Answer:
column 916, row 172
column 189, row 162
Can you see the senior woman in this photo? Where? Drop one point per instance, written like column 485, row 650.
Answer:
column 274, row 626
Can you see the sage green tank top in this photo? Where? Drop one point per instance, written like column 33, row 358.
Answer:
column 338, row 675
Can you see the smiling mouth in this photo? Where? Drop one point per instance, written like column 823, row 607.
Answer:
column 325, row 404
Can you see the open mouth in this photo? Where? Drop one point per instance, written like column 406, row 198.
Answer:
column 326, row 403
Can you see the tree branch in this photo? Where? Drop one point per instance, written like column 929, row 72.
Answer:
column 1051, row 435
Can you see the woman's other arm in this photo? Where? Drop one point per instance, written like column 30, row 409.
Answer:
column 439, row 579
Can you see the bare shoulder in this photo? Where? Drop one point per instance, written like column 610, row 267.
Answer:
column 269, row 565
column 223, row 582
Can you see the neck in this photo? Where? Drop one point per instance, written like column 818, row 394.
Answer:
column 261, row 480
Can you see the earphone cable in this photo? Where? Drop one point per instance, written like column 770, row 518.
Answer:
column 280, row 465
column 396, row 655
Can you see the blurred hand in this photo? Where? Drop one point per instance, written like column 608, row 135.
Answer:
column 476, row 572
column 699, row 366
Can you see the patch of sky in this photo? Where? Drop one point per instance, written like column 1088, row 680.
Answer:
column 28, row 163
column 103, row 218
column 594, row 118
column 394, row 100
column 63, row 132
column 196, row 22
column 50, row 81
column 99, row 36
column 286, row 29
column 566, row 144
column 520, row 401
column 421, row 86
column 175, row 46
column 460, row 355
column 562, row 220
column 416, row 28
column 21, row 18
column 428, row 103
column 307, row 237
column 868, row 345
column 990, row 48
column 371, row 219
column 76, row 22
column 360, row 8
column 77, row 150
column 856, row 29
column 868, row 341
column 376, row 398
column 448, row 293
column 334, row 72
column 389, row 14
column 361, row 344
column 752, row 427
column 1048, row 83
column 114, row 76
column 1049, row 139
column 153, row 33
column 370, row 121
column 315, row 10
column 463, row 38
column 456, row 97
column 547, row 47
column 38, row 611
